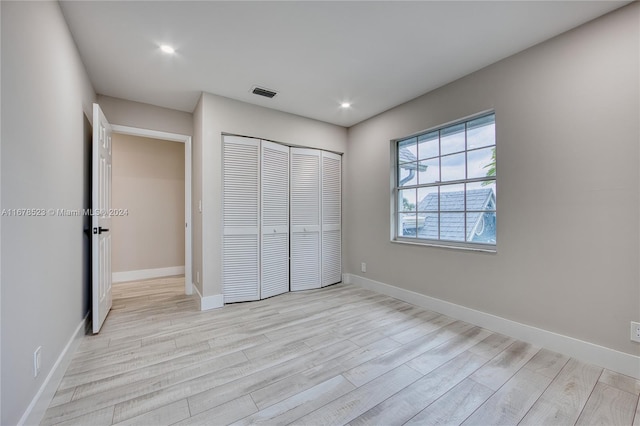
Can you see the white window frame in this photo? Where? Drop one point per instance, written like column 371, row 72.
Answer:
column 395, row 189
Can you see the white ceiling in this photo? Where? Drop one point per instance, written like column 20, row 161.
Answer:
column 375, row 55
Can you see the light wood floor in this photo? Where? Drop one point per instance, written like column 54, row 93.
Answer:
column 340, row 355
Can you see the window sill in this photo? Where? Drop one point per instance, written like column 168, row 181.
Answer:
column 452, row 246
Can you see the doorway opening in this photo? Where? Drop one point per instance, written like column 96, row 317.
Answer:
column 152, row 191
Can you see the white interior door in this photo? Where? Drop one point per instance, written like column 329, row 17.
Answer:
column 101, row 220
column 241, row 210
column 305, row 219
column 331, row 218
column 275, row 220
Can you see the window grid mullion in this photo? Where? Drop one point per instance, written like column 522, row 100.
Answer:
column 451, row 182
column 466, row 175
column 439, row 175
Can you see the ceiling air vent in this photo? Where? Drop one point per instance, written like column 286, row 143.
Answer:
column 263, row 92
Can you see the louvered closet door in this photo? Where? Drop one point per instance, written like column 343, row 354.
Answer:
column 331, row 218
column 241, row 255
column 275, row 219
column 305, row 219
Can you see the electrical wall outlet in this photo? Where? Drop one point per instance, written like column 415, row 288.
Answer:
column 635, row 331
column 37, row 361
column 363, row 267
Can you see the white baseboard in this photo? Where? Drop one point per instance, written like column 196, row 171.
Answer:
column 146, row 274
column 210, row 302
column 40, row 402
column 589, row 352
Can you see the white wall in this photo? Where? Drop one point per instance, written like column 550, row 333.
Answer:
column 567, row 125
column 45, row 96
column 219, row 115
column 196, row 189
column 148, row 181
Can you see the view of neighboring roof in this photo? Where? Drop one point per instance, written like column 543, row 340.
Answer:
column 406, row 156
column 477, row 199
column 452, row 225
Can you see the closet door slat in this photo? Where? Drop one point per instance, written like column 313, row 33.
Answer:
column 275, row 219
column 241, row 212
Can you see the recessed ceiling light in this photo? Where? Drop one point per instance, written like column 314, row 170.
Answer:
column 345, row 105
column 167, row 49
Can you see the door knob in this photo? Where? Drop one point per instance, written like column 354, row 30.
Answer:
column 99, row 230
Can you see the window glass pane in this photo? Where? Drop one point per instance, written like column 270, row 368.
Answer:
column 429, row 229
column 428, row 199
column 407, row 224
column 452, row 167
column 452, row 226
column 435, row 208
column 481, row 132
column 428, row 171
column 481, row 195
column 407, row 150
column 452, row 139
column 407, row 174
column 407, row 200
column 481, row 163
column 452, row 198
column 481, row 227
column 428, row 145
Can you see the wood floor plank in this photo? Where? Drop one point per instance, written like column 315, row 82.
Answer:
column 163, row 416
column 423, row 329
column 512, row 401
column 224, row 414
column 101, row 417
column 358, row 401
column 492, row 345
column 62, row 396
column 454, row 406
column 300, row 404
column 225, row 391
column 547, row 363
column 289, row 386
column 337, row 355
column 125, row 393
column 564, row 399
column 608, row 406
column 437, row 356
column 138, row 366
column 396, row 325
column 183, row 387
column 408, row 402
column 99, row 360
column 620, row 381
column 370, row 370
column 496, row 372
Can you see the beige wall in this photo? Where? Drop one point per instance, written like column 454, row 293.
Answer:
column 148, row 181
column 567, row 125
column 46, row 96
column 217, row 115
column 145, row 116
